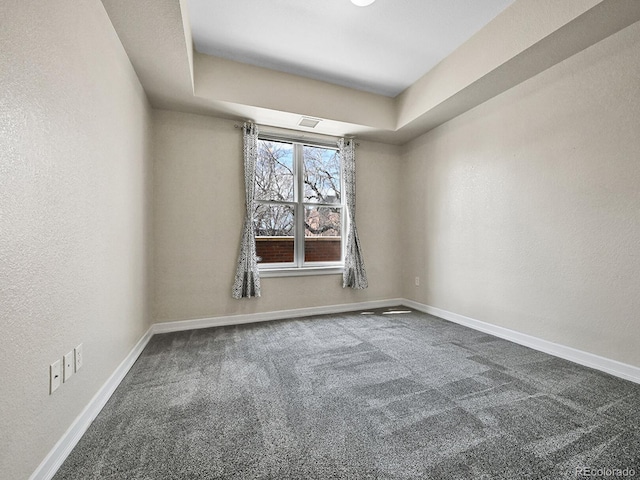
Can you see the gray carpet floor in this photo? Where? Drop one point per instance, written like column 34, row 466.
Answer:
column 358, row 396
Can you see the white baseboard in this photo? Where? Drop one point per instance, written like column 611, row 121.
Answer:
column 58, row 454
column 49, row 466
column 613, row 367
column 269, row 316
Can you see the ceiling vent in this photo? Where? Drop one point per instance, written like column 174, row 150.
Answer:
column 309, row 122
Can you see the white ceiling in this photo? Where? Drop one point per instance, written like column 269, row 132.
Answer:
column 383, row 48
column 527, row 38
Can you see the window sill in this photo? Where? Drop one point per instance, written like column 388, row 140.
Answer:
column 300, row 272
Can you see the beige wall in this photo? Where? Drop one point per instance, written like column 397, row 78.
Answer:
column 74, row 130
column 198, row 212
column 232, row 82
column 525, row 211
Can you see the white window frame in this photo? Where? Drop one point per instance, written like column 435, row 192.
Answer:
column 299, row 267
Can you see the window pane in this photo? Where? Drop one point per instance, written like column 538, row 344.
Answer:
column 322, row 242
column 321, row 175
column 274, row 171
column 274, row 226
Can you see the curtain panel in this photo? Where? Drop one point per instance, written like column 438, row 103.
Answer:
column 355, row 275
column 247, row 281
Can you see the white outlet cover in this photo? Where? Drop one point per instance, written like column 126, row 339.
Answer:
column 68, row 366
column 55, row 376
column 79, row 357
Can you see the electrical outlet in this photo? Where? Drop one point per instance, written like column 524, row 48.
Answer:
column 79, row 357
column 54, row 376
column 417, row 281
column 68, row 366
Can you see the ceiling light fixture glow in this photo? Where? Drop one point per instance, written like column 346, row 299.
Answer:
column 362, row 3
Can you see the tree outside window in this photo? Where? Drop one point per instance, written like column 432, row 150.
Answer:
column 298, row 212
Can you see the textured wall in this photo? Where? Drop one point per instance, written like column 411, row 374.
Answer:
column 74, row 130
column 198, row 213
column 525, row 211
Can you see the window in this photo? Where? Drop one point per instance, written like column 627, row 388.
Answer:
column 299, row 206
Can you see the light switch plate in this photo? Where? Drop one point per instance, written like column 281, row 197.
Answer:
column 79, row 357
column 54, row 376
column 68, row 366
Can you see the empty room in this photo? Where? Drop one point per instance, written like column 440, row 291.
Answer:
column 285, row 239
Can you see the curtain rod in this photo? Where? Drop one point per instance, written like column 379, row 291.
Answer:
column 287, row 133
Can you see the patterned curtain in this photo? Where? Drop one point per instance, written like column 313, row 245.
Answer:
column 247, row 282
column 354, row 275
